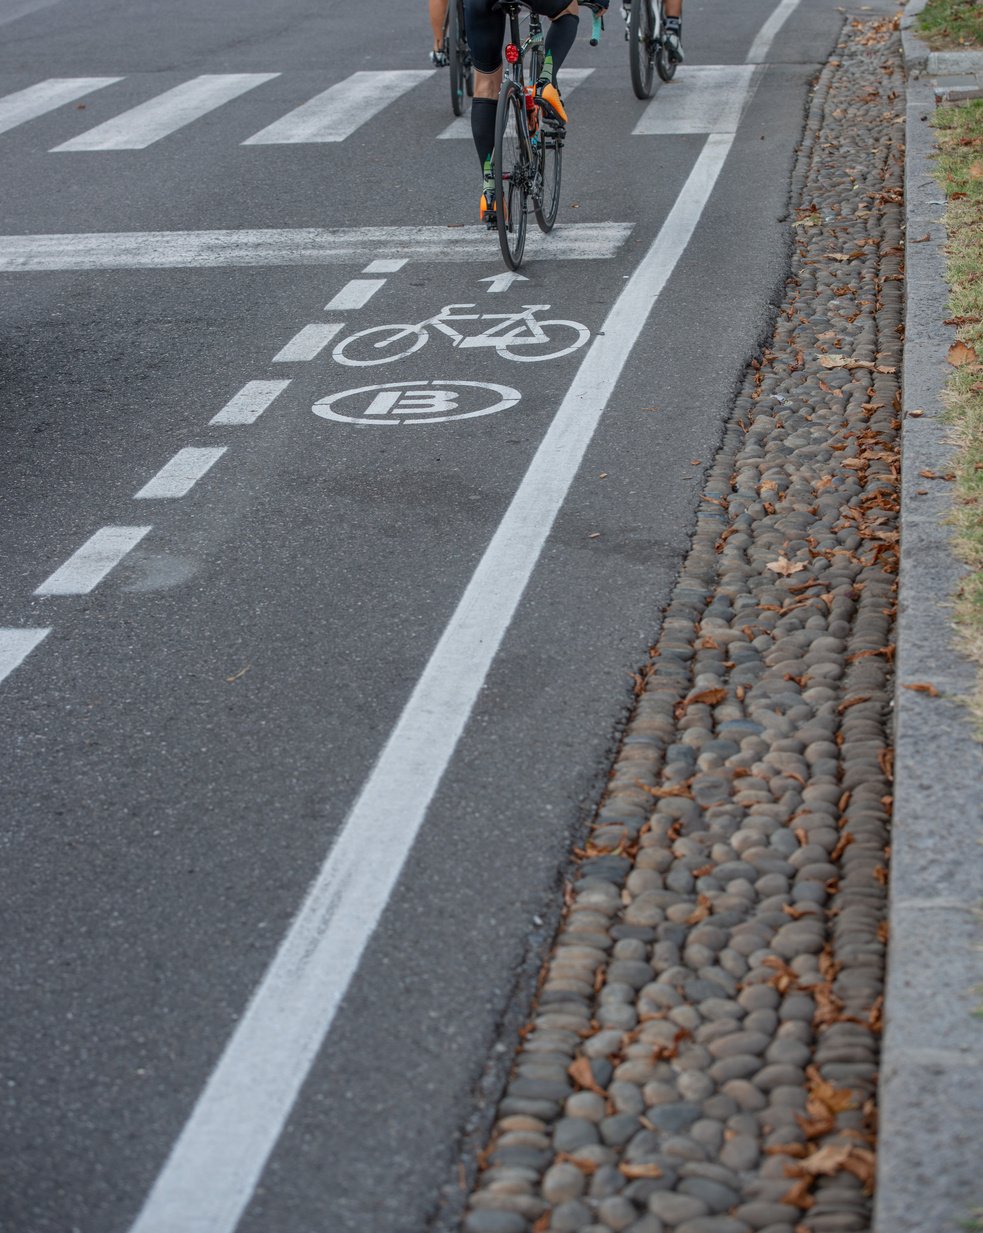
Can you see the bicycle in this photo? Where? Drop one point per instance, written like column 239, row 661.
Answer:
column 458, row 56
column 645, row 21
column 528, row 147
column 519, row 329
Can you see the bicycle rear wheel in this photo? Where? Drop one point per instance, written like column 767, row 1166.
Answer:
column 455, row 45
column 513, row 172
column 641, row 47
column 550, row 158
column 663, row 61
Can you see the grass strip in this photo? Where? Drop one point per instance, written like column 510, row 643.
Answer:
column 960, row 171
column 952, row 24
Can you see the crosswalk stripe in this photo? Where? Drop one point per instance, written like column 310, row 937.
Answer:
column 86, row 568
column 16, row 645
column 569, row 80
column 148, row 250
column 141, row 126
column 45, row 96
column 338, row 112
column 706, row 98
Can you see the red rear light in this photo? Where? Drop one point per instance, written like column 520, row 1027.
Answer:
column 512, row 53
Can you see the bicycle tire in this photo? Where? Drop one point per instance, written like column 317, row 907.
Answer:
column 513, row 172
column 641, row 47
column 664, row 63
column 465, row 51
column 453, row 38
column 398, row 331
column 547, row 202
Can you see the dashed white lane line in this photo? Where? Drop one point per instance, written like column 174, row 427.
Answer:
column 86, row 568
column 218, row 1159
column 250, row 402
column 308, row 343
column 39, row 99
column 16, row 645
column 338, row 112
column 460, row 129
column 179, row 476
column 707, row 98
column 159, row 117
column 384, row 267
column 154, row 250
column 355, row 294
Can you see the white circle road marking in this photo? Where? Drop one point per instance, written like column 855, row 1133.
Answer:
column 412, row 402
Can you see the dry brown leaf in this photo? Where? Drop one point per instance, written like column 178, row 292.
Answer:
column 708, row 697
column 581, row 1073
column 960, row 354
column 923, row 687
column 785, row 567
column 635, row 1171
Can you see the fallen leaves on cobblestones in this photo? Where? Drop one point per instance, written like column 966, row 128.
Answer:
column 922, row 687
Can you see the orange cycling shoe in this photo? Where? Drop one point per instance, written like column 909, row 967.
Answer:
column 548, row 99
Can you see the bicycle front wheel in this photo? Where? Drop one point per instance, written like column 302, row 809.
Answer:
column 513, row 172
column 454, row 41
column 547, row 199
column 641, row 47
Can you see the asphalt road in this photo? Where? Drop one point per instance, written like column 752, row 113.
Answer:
column 214, row 714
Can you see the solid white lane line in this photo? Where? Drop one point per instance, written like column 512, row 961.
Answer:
column 384, row 267
column 86, row 568
column 338, row 112
column 460, row 129
column 308, row 343
column 151, row 250
column 39, row 99
column 706, row 98
column 180, row 475
column 159, row 117
column 356, row 294
column 766, row 35
column 10, row 10
column 250, row 402
column 216, row 1163
column 16, row 645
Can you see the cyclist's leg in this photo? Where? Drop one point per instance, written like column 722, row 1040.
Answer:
column 674, row 29
column 560, row 37
column 438, row 15
column 485, row 29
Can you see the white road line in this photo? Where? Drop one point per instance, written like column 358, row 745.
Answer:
column 152, row 250
column 218, row 1159
column 39, row 99
column 16, row 645
column 706, row 98
column 159, row 117
column 86, row 568
column 308, row 343
column 355, row 294
column 250, row 402
column 384, row 267
column 766, row 35
column 10, row 10
column 338, row 112
column 460, row 128
column 179, row 476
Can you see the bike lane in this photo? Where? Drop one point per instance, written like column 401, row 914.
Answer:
column 373, row 499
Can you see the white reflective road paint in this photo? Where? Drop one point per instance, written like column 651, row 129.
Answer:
column 766, row 35
column 460, row 128
column 218, row 1160
column 384, row 267
column 308, row 343
column 179, row 476
column 47, row 95
column 159, row 117
column 152, row 250
column 10, row 10
column 250, row 402
column 706, row 98
column 356, row 294
column 338, row 112
column 86, row 568
column 16, row 645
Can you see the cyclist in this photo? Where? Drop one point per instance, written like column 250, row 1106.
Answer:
column 485, row 28
column 438, row 15
column 674, row 29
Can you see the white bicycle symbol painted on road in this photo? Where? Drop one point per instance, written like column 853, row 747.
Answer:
column 517, row 336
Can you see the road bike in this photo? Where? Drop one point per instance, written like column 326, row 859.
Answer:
column 518, row 336
column 458, row 56
column 528, row 145
column 645, row 23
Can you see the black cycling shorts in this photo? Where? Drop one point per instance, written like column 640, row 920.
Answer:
column 485, row 29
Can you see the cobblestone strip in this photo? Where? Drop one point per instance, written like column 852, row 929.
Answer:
column 703, row 1053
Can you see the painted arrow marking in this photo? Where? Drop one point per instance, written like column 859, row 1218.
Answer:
column 502, row 282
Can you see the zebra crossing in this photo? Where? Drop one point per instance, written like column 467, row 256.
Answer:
column 693, row 104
